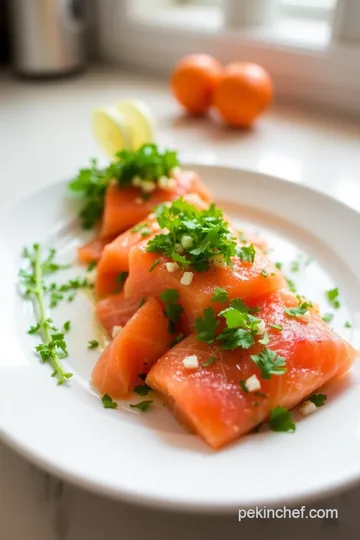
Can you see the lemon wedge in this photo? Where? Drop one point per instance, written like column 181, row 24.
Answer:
column 139, row 120
column 111, row 130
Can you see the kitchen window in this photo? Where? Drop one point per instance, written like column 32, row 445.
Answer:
column 310, row 47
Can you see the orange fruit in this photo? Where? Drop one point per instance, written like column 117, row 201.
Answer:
column 193, row 81
column 243, row 93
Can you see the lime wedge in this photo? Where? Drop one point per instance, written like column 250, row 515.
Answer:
column 111, row 130
column 139, row 120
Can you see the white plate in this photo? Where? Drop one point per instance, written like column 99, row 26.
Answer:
column 149, row 458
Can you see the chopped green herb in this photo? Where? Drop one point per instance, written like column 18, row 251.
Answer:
column 348, row 324
column 93, row 344
column 142, row 302
column 67, row 325
column 210, row 234
column 295, row 266
column 332, row 296
column 270, row 363
column 279, row 265
column 264, row 273
column 108, row 402
column 265, row 339
column 177, row 340
column 58, row 292
column 281, row 420
column 154, row 264
column 328, row 317
column 33, row 286
column 172, row 309
column 142, row 228
column 318, row 399
column 142, row 405
column 220, row 295
column 242, row 237
column 243, row 386
column 299, row 310
column 208, row 362
column 142, row 389
column 260, row 394
column 91, row 266
column 291, row 284
column 206, row 325
column 246, row 253
column 276, row 327
column 236, row 337
column 121, row 278
column 147, row 163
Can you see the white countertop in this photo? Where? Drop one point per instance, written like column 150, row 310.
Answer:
column 45, row 137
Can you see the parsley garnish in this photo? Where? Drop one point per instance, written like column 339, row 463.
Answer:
column 279, row 265
column 142, row 228
column 299, row 310
column 142, row 389
column 108, row 402
column 318, row 399
column 348, row 324
column 333, row 297
column 281, row 420
column 208, row 230
column 276, row 327
column 264, row 273
column 220, row 295
column 270, row 363
column 260, row 394
column 246, row 253
column 32, row 282
column 67, row 325
column 328, row 317
column 142, row 406
column 295, row 266
column 59, row 292
column 208, row 362
column 92, row 344
column 265, row 339
column 206, row 325
column 172, row 309
column 154, row 264
column 291, row 285
column 147, row 163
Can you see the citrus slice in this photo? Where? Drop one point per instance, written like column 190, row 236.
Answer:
column 111, row 130
column 139, row 120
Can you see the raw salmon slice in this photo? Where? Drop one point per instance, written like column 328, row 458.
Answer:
column 210, row 401
column 133, row 351
column 91, row 251
column 124, row 207
column 115, row 257
column 116, row 310
column 244, row 280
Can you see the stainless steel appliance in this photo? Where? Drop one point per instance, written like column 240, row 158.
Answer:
column 48, row 36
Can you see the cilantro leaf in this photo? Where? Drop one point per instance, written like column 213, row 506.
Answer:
column 67, row 325
column 276, row 327
column 332, row 296
column 348, row 324
column 246, row 253
column 146, row 164
column 233, row 338
column 243, row 386
column 206, row 325
column 299, row 310
column 234, row 318
column 91, row 266
column 279, row 265
column 270, row 363
column 142, row 405
column 154, row 264
column 208, row 362
column 265, row 339
column 291, row 284
column 328, row 317
column 264, row 273
column 318, row 399
column 108, row 402
column 220, row 295
column 93, row 344
column 207, row 235
column 281, row 420
column 172, row 309
column 295, row 266
column 142, row 389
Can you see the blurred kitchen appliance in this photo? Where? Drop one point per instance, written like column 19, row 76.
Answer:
column 48, row 37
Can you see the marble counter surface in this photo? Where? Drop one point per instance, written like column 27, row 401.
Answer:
column 45, row 137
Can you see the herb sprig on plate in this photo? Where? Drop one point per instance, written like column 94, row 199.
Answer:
column 31, row 278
